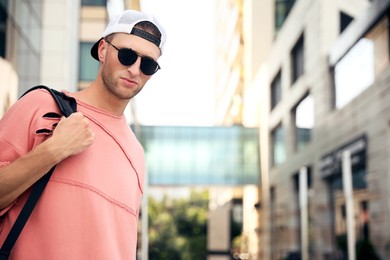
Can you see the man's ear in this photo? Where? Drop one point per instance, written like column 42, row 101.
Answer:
column 102, row 50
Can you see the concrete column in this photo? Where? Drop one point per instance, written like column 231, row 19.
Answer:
column 303, row 204
column 218, row 224
column 348, row 192
column 144, row 220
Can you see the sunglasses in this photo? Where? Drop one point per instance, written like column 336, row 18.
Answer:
column 128, row 57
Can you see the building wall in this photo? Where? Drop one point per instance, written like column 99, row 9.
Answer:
column 230, row 62
column 59, row 55
column 42, row 43
column 249, row 243
column 237, row 53
column 93, row 21
column 23, row 40
column 218, row 224
column 258, row 36
column 368, row 114
column 279, row 225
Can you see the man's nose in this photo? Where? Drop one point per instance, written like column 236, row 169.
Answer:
column 135, row 68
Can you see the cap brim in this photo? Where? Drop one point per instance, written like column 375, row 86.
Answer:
column 94, row 50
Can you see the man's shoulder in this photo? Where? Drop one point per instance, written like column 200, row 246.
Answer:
column 36, row 95
column 37, row 100
column 29, row 121
column 31, row 105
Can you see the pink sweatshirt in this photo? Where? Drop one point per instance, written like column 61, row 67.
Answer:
column 90, row 207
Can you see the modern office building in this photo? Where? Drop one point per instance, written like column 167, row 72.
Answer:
column 20, row 48
column 244, row 36
column 229, row 62
column 321, row 98
column 39, row 42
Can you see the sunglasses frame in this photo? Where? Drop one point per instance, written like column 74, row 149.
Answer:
column 143, row 59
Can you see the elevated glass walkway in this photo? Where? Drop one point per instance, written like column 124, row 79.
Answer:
column 200, row 156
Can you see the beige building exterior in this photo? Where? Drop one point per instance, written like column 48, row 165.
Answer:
column 41, row 42
column 321, row 100
column 239, row 52
column 229, row 207
column 19, row 49
column 229, row 62
column 59, row 44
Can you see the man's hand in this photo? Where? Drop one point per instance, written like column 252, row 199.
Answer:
column 73, row 135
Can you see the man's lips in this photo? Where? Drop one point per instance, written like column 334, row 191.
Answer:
column 129, row 81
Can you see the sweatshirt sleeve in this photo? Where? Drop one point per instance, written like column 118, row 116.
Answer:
column 26, row 124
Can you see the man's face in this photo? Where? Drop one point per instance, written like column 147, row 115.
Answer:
column 124, row 82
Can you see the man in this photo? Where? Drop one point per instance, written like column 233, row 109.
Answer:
column 89, row 209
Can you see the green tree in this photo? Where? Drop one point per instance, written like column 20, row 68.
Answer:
column 178, row 227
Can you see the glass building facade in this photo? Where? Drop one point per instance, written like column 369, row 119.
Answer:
column 188, row 156
column 20, row 39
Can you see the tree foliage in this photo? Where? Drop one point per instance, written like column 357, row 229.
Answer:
column 178, row 227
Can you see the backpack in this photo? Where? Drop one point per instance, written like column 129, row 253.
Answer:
column 67, row 106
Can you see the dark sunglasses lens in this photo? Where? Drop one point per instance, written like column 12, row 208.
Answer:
column 148, row 66
column 127, row 57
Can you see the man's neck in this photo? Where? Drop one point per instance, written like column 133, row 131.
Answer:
column 96, row 95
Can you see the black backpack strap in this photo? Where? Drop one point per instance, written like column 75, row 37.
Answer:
column 24, row 214
column 67, row 106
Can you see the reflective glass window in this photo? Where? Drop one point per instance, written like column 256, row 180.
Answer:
column 345, row 20
column 361, row 65
column 304, row 122
column 278, row 146
column 88, row 66
column 94, row 2
column 297, row 59
column 276, row 90
column 282, row 9
column 201, row 155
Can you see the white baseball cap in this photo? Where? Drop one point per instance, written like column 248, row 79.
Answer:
column 125, row 22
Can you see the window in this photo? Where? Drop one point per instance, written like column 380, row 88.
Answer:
column 94, row 2
column 304, row 121
column 276, row 90
column 231, row 154
column 278, row 146
column 345, row 20
column 282, row 9
column 297, row 59
column 88, row 66
column 359, row 67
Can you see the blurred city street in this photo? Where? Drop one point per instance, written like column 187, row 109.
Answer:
column 266, row 132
